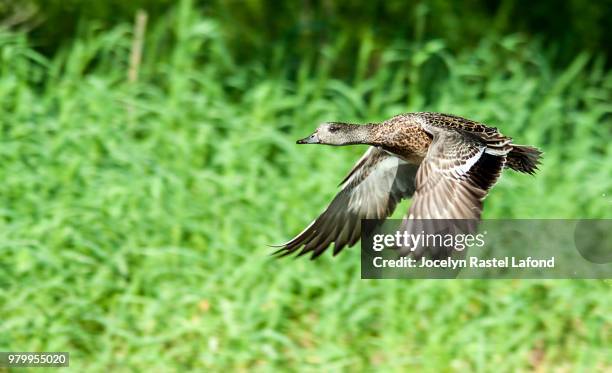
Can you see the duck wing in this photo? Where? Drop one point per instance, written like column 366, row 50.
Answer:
column 371, row 190
column 456, row 174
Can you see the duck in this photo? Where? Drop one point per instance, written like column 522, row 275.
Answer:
column 445, row 163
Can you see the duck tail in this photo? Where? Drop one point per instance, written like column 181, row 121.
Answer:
column 523, row 158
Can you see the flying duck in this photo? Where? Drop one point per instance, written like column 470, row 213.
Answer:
column 446, row 163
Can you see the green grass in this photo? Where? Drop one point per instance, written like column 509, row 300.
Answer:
column 134, row 218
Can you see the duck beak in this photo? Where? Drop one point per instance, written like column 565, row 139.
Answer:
column 312, row 139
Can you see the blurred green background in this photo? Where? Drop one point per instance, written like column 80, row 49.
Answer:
column 135, row 209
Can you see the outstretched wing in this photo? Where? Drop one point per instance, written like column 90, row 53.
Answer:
column 455, row 176
column 372, row 190
column 451, row 183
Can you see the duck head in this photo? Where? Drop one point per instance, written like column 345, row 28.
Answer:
column 335, row 133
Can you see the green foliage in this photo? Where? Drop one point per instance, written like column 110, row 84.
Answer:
column 300, row 28
column 134, row 217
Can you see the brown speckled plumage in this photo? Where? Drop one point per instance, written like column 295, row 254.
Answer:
column 446, row 163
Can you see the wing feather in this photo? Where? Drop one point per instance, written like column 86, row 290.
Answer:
column 452, row 181
column 371, row 190
column 454, row 177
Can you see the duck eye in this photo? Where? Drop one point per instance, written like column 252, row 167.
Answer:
column 333, row 128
